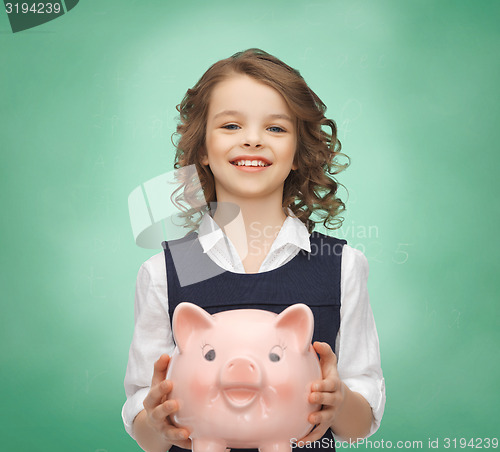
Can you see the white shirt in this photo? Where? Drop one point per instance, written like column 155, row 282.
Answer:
column 357, row 343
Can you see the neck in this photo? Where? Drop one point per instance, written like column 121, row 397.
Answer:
column 254, row 214
column 257, row 223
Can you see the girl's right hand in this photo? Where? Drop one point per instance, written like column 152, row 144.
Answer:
column 158, row 407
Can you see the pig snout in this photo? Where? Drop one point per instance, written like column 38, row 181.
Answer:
column 241, row 381
column 241, row 371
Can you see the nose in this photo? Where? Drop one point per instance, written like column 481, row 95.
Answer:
column 249, row 144
column 252, row 139
column 241, row 371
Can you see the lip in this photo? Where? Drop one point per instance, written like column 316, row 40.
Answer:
column 240, row 397
column 250, row 169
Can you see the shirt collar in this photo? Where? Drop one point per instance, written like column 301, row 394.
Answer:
column 293, row 232
column 209, row 233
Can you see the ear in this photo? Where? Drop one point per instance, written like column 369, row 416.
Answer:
column 188, row 319
column 298, row 319
column 295, row 158
column 204, row 156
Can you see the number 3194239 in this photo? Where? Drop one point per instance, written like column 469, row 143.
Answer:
column 37, row 8
column 477, row 443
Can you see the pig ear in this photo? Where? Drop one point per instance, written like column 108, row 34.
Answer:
column 189, row 318
column 299, row 320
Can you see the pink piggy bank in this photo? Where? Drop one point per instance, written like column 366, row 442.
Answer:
column 242, row 378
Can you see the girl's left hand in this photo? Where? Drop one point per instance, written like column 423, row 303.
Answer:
column 328, row 392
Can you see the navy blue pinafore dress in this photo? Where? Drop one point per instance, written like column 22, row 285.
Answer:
column 312, row 278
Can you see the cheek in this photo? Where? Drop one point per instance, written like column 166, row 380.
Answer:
column 282, row 382
column 287, row 149
column 209, row 145
column 285, row 390
column 291, row 150
column 203, row 384
column 217, row 144
column 289, row 385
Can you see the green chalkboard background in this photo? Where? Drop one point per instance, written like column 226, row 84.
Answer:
column 87, row 109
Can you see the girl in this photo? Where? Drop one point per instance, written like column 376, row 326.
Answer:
column 255, row 132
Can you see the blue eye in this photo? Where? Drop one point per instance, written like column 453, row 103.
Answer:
column 276, row 129
column 231, row 127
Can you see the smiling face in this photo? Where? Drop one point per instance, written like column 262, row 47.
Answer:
column 250, row 139
column 231, row 389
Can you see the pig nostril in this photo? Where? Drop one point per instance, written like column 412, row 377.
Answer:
column 242, row 366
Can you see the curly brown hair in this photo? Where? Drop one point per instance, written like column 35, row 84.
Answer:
column 309, row 191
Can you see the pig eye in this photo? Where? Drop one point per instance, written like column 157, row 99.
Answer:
column 276, row 353
column 208, row 352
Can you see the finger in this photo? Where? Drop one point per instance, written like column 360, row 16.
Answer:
column 316, row 434
column 160, row 369
column 161, row 412
column 325, row 398
column 322, row 418
column 175, row 434
column 329, row 384
column 183, row 443
column 325, row 353
column 156, row 394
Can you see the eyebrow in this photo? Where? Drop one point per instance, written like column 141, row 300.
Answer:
column 236, row 113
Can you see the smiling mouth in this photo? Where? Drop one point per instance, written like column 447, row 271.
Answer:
column 240, row 397
column 250, row 163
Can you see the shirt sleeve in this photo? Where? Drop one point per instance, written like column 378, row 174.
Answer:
column 152, row 336
column 357, row 342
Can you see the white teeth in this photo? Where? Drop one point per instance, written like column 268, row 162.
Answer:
column 250, row 163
